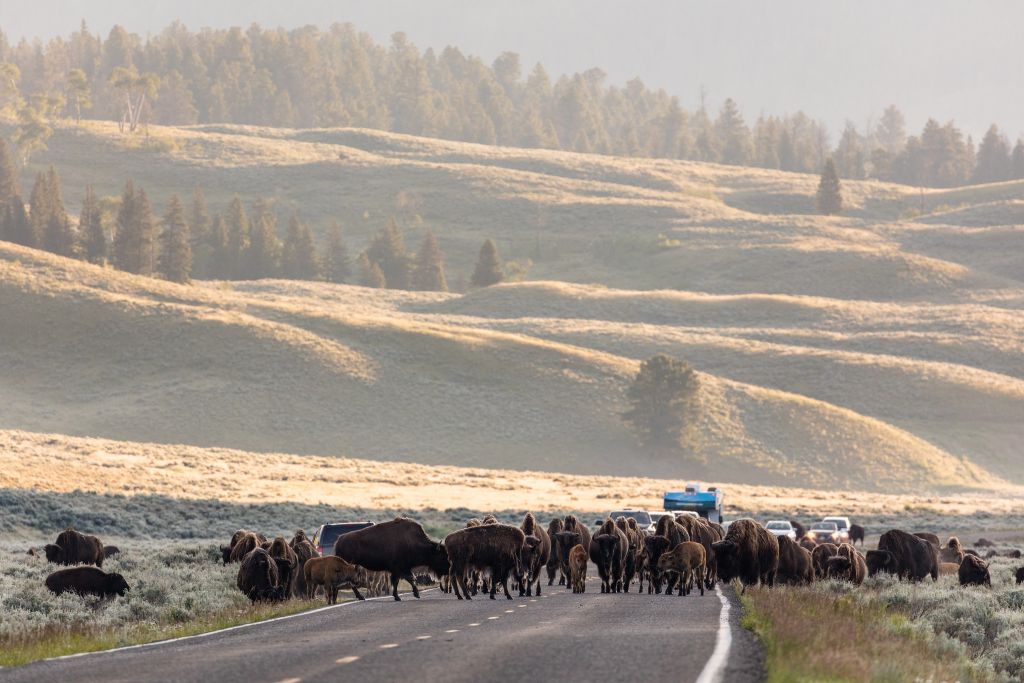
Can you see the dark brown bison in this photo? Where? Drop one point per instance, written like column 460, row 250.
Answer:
column 304, row 551
column 72, row 547
column 259, row 576
column 573, row 533
column 1019, row 575
column 985, row 543
column 952, row 552
column 857, row 533
column 930, row 537
column 846, row 565
column 554, row 527
column 795, row 566
column 225, row 550
column 704, row 532
column 281, row 550
column 748, row 553
column 808, row 544
column 491, row 549
column 87, row 581
column 820, row 556
column 110, row 550
column 1015, row 553
column 800, row 529
column 634, row 542
column 667, row 535
column 906, row 555
column 397, row 547
column 535, row 556
column 298, row 537
column 608, row 550
column 246, row 543
column 974, row 572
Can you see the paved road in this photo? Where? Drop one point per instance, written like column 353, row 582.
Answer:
column 559, row 636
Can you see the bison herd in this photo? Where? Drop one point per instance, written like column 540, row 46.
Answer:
column 681, row 554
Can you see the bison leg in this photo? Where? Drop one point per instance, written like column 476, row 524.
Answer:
column 461, row 578
column 394, row 587
column 355, row 591
column 504, row 584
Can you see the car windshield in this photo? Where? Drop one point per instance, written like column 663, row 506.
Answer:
column 642, row 517
column 778, row 525
column 332, row 532
column 825, row 526
column 840, row 523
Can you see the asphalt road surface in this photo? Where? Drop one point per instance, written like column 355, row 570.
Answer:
column 558, row 637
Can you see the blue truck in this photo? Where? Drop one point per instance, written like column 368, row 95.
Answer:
column 695, row 498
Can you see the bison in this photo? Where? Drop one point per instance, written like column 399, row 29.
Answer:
column 608, row 550
column 553, row 566
column 857, row 533
column 225, row 550
column 1019, row 575
column 846, row 565
column 333, row 573
column 820, row 556
column 800, row 529
column 704, row 532
column 930, row 537
column 573, row 533
column 973, row 571
column 259, row 576
column 72, row 547
column 578, row 569
column 246, row 543
column 795, row 565
column 304, row 551
column 909, row 556
column 535, row 557
column 298, row 537
column 280, row 550
column 952, row 552
column 947, row 568
column 491, row 549
column 748, row 553
column 687, row 560
column 87, row 581
column 110, row 550
column 397, row 547
column 667, row 535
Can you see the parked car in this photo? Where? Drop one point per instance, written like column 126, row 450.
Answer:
column 642, row 517
column 824, row 532
column 655, row 515
column 843, row 525
column 781, row 527
column 328, row 534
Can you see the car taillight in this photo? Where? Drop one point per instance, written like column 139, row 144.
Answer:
column 320, row 550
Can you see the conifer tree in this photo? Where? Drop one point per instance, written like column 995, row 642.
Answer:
column 134, row 241
column 175, row 262
column 90, row 228
column 300, row 258
column 237, row 226
column 664, row 399
column 428, row 274
column 336, row 260
column 263, row 255
column 993, row 158
column 489, row 269
column 388, row 251
column 220, row 252
column 39, row 210
column 830, row 195
column 17, row 226
column 370, row 274
column 1017, row 161
column 199, row 222
column 8, row 175
column 58, row 237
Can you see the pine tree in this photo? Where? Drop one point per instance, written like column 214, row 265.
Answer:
column 220, row 252
column 58, row 237
column 1017, row 161
column 134, row 241
column 263, row 255
column 199, row 223
column 175, row 262
column 993, row 158
column 39, row 210
column 370, row 274
column 428, row 274
column 336, row 260
column 17, row 226
column 489, row 269
column 90, row 228
column 665, row 402
column 830, row 195
column 300, row 258
column 388, row 251
column 733, row 134
column 237, row 226
column 8, row 175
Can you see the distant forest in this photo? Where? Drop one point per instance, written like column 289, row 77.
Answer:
column 340, row 77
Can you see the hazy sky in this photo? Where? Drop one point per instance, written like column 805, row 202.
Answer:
column 835, row 60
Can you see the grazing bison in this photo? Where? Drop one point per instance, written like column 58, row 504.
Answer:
column 1015, row 553
column 608, row 551
column 910, row 556
column 333, row 573
column 304, row 551
column 748, row 553
column 578, row 569
column 857, row 533
column 952, row 552
column 494, row 550
column 554, row 526
column 1019, row 575
column 535, row 557
column 973, row 571
column 72, row 547
column 687, row 560
column 397, row 547
column 259, row 576
column 846, row 565
column 280, row 550
column 930, row 537
column 246, row 543
column 87, row 581
column 820, row 556
column 110, row 550
column 795, row 565
column 985, row 543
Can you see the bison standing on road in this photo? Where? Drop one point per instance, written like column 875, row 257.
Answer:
column 687, row 560
column 748, row 553
column 535, row 557
column 553, row 566
column 795, row 566
column 573, row 533
column 333, row 573
column 396, row 547
column 973, row 571
column 578, row 569
column 491, row 549
column 667, row 535
column 906, row 555
column 706, row 533
column 72, row 547
column 87, row 581
column 304, row 551
column 608, row 551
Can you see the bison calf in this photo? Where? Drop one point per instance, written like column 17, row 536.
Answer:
column 578, row 569
column 333, row 573
column 688, row 559
column 87, row 581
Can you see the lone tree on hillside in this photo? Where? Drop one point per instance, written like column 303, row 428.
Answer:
column 664, row 402
column 830, row 192
column 175, row 263
column 428, row 272
column 489, row 269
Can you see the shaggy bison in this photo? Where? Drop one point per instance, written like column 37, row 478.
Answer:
column 795, row 566
column 1019, row 575
column 906, row 555
column 110, row 550
column 397, row 547
column 608, row 551
column 706, row 533
column 930, row 537
column 287, row 563
column 72, row 547
column 245, row 544
column 687, row 560
column 973, row 571
column 573, row 533
column 553, row 566
column 304, row 551
column 846, row 565
column 748, row 553
column 259, row 576
column 535, row 557
column 667, row 535
column 87, row 581
column 952, row 552
column 578, row 569
column 333, row 573
column 820, row 556
column 494, row 550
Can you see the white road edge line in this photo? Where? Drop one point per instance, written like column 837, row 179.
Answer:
column 715, row 667
column 207, row 634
